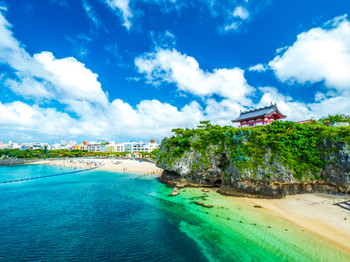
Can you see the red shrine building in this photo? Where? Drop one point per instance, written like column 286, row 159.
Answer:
column 259, row 117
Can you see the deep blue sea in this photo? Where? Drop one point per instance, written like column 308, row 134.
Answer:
column 112, row 216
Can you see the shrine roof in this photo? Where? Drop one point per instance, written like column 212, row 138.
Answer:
column 259, row 112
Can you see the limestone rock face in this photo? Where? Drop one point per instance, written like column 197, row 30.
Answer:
column 194, row 168
column 338, row 171
column 271, row 179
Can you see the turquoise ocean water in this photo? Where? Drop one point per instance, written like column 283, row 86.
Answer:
column 110, row 216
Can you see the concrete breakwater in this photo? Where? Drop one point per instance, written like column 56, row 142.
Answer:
column 4, row 162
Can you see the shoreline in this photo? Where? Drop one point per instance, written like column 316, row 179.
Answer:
column 314, row 213
column 133, row 166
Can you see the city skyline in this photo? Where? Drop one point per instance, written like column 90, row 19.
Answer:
column 90, row 146
column 135, row 69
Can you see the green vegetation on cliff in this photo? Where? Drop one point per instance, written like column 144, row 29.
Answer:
column 334, row 118
column 303, row 148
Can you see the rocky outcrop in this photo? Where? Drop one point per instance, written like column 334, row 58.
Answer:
column 270, row 179
column 174, row 192
column 266, row 189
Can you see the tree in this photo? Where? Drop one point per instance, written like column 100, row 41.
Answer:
column 154, row 153
column 204, row 124
column 335, row 118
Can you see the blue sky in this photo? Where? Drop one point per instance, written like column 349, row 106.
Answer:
column 135, row 69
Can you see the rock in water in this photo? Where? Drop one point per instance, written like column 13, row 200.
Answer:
column 174, row 192
column 204, row 205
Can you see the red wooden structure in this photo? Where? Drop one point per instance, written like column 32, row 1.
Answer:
column 259, row 117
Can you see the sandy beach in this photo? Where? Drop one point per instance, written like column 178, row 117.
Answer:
column 133, row 166
column 315, row 213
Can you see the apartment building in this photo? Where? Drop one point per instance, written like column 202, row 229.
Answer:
column 130, row 147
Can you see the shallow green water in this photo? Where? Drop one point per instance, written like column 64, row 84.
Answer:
column 244, row 233
column 111, row 216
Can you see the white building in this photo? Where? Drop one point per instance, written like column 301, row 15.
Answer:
column 13, row 145
column 3, row 145
column 67, row 144
column 35, row 145
column 130, row 147
column 112, row 147
column 141, row 147
column 91, row 146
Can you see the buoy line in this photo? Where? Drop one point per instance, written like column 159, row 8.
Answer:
column 53, row 175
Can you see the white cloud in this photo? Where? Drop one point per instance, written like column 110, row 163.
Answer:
column 19, row 116
column 72, row 80
column 297, row 111
column 258, row 68
column 67, row 83
column 80, row 44
column 222, row 112
column 44, row 76
column 173, row 67
column 133, row 78
column 163, row 40
column 91, row 14
column 241, row 12
column 231, row 27
column 331, row 106
column 153, row 117
column 123, row 8
column 29, row 88
column 281, row 49
column 320, row 54
column 73, row 104
column 233, row 17
column 11, row 52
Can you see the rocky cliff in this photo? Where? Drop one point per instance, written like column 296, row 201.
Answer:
column 269, row 162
